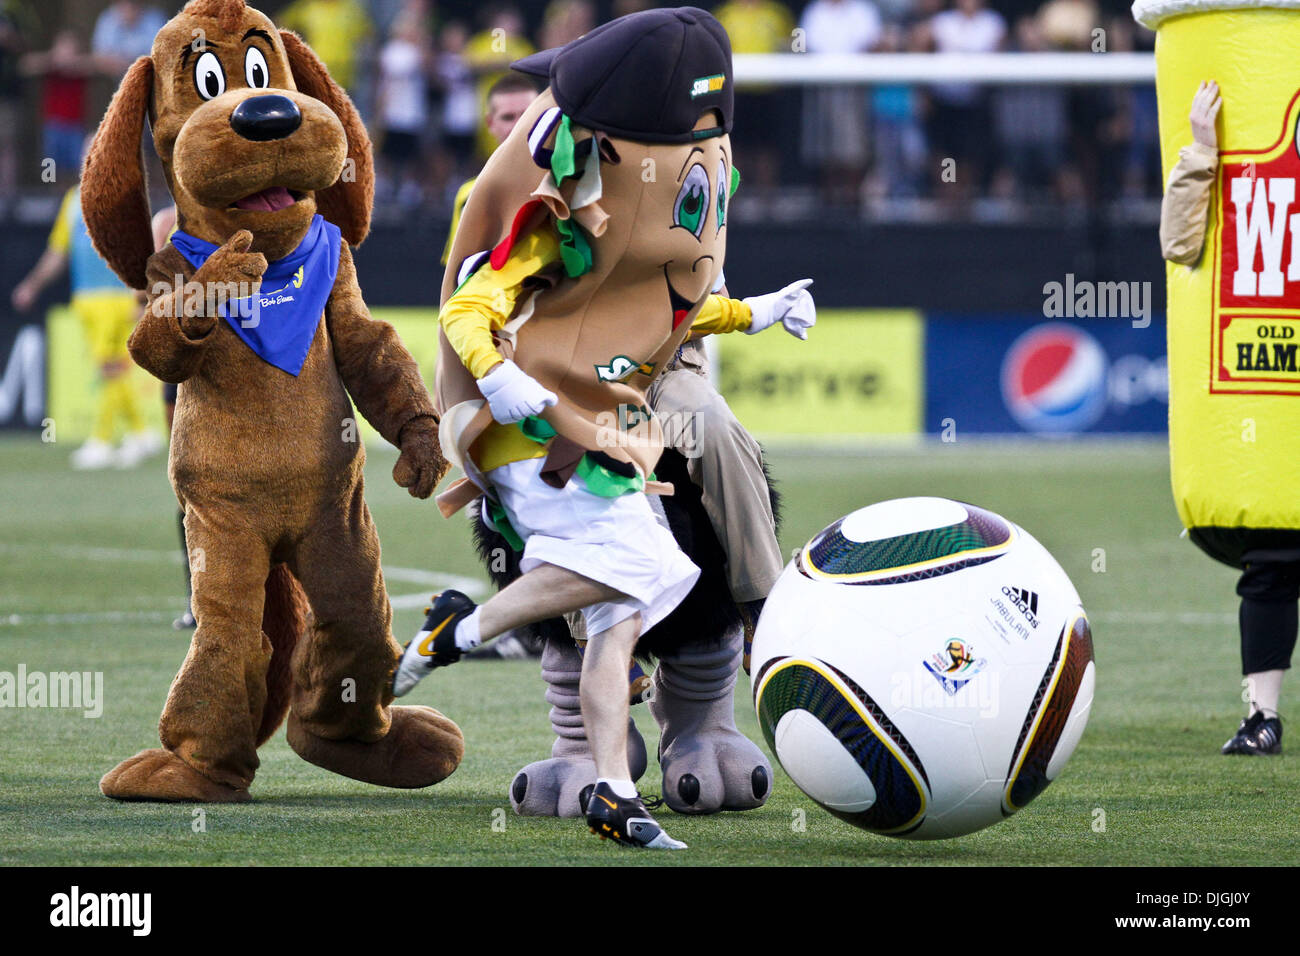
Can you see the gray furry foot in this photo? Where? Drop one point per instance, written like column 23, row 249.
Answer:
column 717, row 770
column 554, row 787
column 708, row 765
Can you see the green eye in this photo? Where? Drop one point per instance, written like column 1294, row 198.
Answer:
column 692, row 201
column 722, row 195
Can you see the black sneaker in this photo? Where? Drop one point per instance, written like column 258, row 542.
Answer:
column 1257, row 735
column 435, row 644
column 627, row 822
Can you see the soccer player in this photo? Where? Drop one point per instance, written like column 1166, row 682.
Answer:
column 108, row 312
column 507, row 99
column 1269, row 586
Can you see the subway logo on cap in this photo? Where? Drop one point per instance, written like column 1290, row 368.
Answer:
column 707, row 84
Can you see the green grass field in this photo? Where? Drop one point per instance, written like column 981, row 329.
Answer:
column 91, row 580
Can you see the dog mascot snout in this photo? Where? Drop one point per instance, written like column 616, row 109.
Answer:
column 264, row 118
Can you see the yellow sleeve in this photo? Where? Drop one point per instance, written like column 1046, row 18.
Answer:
column 61, row 235
column 486, row 300
column 719, row 315
column 457, row 208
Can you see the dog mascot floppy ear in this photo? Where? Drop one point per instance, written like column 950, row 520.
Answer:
column 254, row 309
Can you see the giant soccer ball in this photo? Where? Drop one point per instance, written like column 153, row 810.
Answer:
column 923, row 668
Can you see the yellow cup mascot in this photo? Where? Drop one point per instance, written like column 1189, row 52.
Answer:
column 1229, row 228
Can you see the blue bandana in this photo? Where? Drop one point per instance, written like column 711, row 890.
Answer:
column 279, row 322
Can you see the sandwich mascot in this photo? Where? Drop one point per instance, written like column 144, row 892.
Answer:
column 254, row 309
column 590, row 249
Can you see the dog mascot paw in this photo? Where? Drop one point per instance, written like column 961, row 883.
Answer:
column 254, row 309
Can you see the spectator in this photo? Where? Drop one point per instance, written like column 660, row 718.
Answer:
column 337, row 30
column 402, row 108
column 758, row 26
column 459, row 101
column 123, row 32
column 507, row 100
column 566, row 20
column 897, row 137
column 1138, row 142
column 834, row 136
column 1031, row 129
column 13, row 24
column 898, row 13
column 489, row 54
column 959, row 114
column 66, row 71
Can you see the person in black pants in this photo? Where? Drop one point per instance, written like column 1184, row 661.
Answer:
column 1269, row 589
column 1269, row 557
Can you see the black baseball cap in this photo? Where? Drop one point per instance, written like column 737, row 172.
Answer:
column 646, row 77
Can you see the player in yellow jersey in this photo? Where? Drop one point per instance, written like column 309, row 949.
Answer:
column 507, row 99
column 108, row 312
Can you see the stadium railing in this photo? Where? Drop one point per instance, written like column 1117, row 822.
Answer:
column 1006, row 69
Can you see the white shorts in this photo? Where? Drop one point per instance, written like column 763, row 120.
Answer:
column 620, row 542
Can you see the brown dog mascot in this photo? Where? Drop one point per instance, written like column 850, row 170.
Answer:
column 269, row 165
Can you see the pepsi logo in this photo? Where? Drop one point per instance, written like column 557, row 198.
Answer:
column 1054, row 379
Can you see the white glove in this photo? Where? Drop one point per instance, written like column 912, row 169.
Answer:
column 793, row 307
column 513, row 394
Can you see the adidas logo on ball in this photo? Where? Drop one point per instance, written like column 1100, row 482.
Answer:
column 1025, row 601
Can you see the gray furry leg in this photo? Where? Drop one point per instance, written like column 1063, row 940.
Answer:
column 553, row 788
column 708, row 765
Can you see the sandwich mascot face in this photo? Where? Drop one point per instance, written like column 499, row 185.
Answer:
column 588, row 252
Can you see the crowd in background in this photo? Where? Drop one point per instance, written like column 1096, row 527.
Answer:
column 420, row 70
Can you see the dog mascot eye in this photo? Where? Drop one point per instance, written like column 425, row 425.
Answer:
column 692, row 201
column 209, row 77
column 722, row 194
column 255, row 70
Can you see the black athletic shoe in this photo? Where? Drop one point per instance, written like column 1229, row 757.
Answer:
column 1257, row 735
column 628, row 822
column 435, row 644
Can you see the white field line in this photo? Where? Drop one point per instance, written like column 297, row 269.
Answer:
column 428, row 581
column 75, row 552
column 87, row 617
